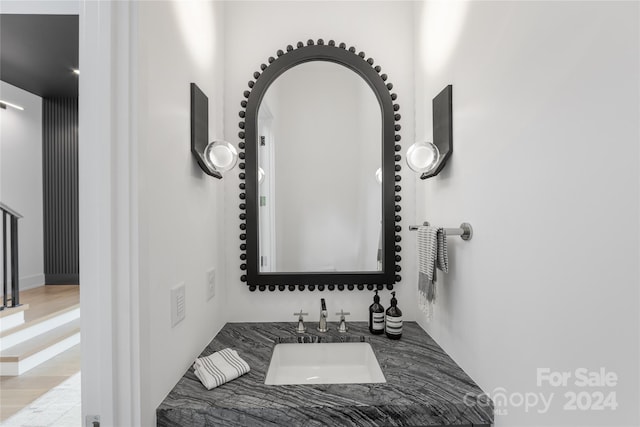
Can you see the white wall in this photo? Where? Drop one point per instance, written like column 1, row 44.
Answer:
column 545, row 168
column 180, row 208
column 21, row 178
column 257, row 30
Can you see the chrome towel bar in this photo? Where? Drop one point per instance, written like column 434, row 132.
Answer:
column 465, row 231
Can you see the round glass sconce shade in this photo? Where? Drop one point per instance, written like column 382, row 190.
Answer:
column 379, row 175
column 423, row 157
column 220, row 156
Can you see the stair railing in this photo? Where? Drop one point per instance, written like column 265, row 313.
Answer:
column 10, row 255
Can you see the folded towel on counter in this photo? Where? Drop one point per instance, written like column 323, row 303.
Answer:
column 219, row 368
column 432, row 255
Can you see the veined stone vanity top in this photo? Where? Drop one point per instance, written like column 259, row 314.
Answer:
column 424, row 387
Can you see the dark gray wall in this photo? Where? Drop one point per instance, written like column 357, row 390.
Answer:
column 60, row 189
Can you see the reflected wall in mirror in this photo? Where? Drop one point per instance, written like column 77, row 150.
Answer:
column 320, row 144
column 317, row 125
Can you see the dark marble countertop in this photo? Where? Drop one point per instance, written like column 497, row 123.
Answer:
column 424, row 387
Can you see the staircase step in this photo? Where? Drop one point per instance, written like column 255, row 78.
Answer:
column 28, row 354
column 10, row 317
column 25, row 331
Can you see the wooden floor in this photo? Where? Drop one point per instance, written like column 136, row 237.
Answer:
column 18, row 392
column 45, row 300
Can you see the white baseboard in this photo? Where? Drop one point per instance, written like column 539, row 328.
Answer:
column 28, row 282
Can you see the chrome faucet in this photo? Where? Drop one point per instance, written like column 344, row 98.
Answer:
column 322, row 324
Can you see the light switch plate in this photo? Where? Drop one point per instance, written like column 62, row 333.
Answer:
column 178, row 304
column 211, row 283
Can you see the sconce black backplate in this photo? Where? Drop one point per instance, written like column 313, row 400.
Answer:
column 442, row 128
column 200, row 128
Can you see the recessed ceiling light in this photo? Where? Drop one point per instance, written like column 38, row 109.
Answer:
column 76, row 71
column 5, row 104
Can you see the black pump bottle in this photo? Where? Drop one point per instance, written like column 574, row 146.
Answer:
column 393, row 319
column 376, row 316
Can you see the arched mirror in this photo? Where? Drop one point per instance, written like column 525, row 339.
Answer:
column 319, row 202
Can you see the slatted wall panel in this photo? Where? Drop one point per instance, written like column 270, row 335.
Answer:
column 60, row 189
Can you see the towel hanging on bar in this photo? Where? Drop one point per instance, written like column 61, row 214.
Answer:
column 432, row 255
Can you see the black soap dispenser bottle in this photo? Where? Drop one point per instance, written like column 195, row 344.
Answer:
column 376, row 316
column 393, row 319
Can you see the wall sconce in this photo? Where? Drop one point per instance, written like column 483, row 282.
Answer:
column 212, row 157
column 429, row 158
column 422, row 157
column 220, row 156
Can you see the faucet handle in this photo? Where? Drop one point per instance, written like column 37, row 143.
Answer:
column 342, row 327
column 301, row 329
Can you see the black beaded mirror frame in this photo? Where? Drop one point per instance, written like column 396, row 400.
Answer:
column 364, row 67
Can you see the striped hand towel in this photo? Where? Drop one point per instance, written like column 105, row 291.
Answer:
column 219, row 368
column 432, row 254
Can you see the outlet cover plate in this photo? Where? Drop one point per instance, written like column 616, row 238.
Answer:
column 211, row 283
column 178, row 304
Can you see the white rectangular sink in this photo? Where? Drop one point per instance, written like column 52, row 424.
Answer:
column 324, row 363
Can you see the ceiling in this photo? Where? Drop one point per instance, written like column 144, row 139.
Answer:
column 39, row 52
